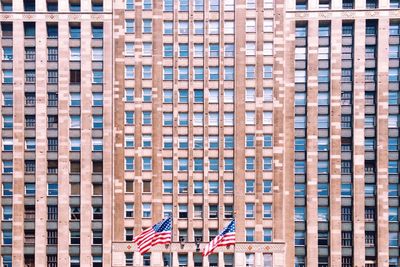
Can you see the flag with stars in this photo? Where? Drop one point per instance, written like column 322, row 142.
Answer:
column 225, row 238
column 159, row 233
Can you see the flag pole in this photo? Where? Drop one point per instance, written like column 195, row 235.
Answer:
column 172, row 240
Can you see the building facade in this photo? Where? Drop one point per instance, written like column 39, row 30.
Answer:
column 281, row 114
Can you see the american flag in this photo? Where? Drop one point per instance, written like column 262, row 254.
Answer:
column 159, row 233
column 225, row 238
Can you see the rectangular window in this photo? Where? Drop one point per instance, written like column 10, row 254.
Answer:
column 129, row 26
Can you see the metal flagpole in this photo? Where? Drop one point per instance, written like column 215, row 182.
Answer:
column 172, row 240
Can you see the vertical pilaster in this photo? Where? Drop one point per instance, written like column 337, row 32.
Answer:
column 19, row 140
column 41, row 142
column 86, row 141
column 358, row 141
column 63, row 150
column 240, row 85
column 312, row 144
column 335, row 145
column 382, row 143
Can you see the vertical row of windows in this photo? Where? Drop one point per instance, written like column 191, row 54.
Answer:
column 393, row 138
column 300, row 100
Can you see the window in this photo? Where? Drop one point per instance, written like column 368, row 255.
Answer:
column 249, row 237
column 346, row 98
column 147, row 5
column 299, row 190
column 75, row 99
column 267, row 164
column 129, row 49
column 7, row 189
column 370, row 75
column 198, row 5
column 300, row 122
column 183, row 27
column 7, row 53
column 393, row 190
column 250, row 140
column 300, row 76
column 198, row 187
column 7, row 213
column 146, row 118
column 97, row 122
column 7, row 239
column 97, row 76
column 299, row 167
column 168, row 73
column 29, row 189
column 167, row 164
column 129, row 118
column 74, row 76
column 393, row 74
column 346, row 214
column 347, row 239
column 323, row 75
column 146, row 210
column 213, row 119
column 7, row 76
column 228, row 118
column 129, row 163
column 268, row 25
column 198, row 27
column 393, row 214
column 75, row 6
column 323, row 167
column 323, row 144
column 394, row 4
column 323, row 190
column 147, row 26
column 393, row 121
column 75, row 53
column 228, row 187
column 300, row 53
column 393, row 167
column 228, row 211
column 198, row 50
column 323, row 122
column 167, row 187
column 8, row 144
column 75, row 144
column 250, row 186
column 130, row 4
column 129, row 26
column 182, row 211
column 299, row 239
column 74, row 31
column 393, row 239
column 7, row 99
column 198, row 211
column 346, row 190
column 228, row 164
column 7, row 167
column 393, row 98
column 213, row 187
column 323, row 214
column 229, row 27
column 168, row 27
column 97, row 53
column 146, row 163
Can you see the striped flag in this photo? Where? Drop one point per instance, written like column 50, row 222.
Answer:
column 225, row 238
column 159, row 233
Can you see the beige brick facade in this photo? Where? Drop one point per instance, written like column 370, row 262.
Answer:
column 281, row 113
